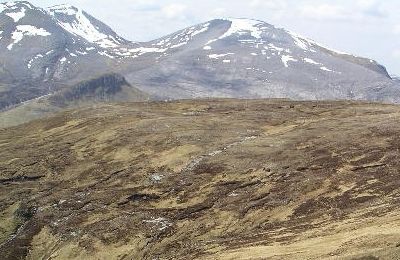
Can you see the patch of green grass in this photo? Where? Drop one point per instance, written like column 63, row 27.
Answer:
column 9, row 222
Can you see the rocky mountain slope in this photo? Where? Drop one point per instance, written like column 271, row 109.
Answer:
column 249, row 58
column 217, row 179
column 43, row 50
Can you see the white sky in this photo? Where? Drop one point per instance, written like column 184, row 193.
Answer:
column 369, row 28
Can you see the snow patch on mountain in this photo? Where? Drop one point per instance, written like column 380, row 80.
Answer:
column 243, row 26
column 273, row 47
column 306, row 44
column 300, row 41
column 162, row 42
column 29, row 65
column 182, row 38
column 143, row 50
column 136, row 52
column 81, row 26
column 37, row 58
column 286, row 59
column 63, row 8
column 311, row 61
column 3, row 7
column 326, row 69
column 178, row 45
column 16, row 16
column 26, row 30
column 8, row 5
column 217, row 56
column 63, row 59
column 104, row 53
column 81, row 52
column 201, row 30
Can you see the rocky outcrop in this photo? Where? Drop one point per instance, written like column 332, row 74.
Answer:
column 103, row 88
column 110, row 87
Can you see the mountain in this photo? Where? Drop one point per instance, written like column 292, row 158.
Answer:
column 45, row 50
column 249, row 58
column 203, row 179
column 81, row 24
column 42, row 50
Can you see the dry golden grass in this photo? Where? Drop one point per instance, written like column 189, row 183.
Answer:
column 208, row 179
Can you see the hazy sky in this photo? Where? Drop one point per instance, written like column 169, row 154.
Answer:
column 369, row 28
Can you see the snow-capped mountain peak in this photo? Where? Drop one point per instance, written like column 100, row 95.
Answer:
column 15, row 5
column 229, row 57
column 16, row 10
column 79, row 23
column 66, row 9
column 256, row 31
column 242, row 26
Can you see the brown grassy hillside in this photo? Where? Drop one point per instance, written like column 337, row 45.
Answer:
column 217, row 179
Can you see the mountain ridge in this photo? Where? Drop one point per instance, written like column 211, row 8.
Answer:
column 45, row 49
column 276, row 45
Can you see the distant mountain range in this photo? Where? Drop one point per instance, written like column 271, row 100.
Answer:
column 43, row 51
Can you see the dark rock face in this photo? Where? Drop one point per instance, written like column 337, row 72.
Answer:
column 107, row 88
column 99, row 89
column 396, row 78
